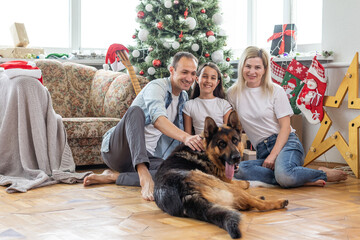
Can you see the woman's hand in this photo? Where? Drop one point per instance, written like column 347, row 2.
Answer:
column 269, row 162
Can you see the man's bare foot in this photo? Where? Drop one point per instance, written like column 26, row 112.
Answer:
column 146, row 182
column 107, row 176
column 319, row 183
column 334, row 175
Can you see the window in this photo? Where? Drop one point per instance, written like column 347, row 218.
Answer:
column 107, row 22
column 261, row 16
column 84, row 25
column 46, row 22
column 308, row 16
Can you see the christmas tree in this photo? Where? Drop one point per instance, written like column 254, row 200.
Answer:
column 170, row 26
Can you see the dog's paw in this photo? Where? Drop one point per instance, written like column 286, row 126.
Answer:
column 232, row 225
column 285, row 203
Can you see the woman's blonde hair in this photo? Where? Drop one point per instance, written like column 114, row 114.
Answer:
column 252, row 52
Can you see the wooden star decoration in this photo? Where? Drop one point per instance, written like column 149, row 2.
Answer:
column 350, row 152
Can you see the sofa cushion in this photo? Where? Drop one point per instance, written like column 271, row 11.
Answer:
column 88, row 127
column 79, row 78
column 120, row 95
column 100, row 85
column 54, row 77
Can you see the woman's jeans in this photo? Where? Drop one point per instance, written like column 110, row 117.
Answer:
column 288, row 171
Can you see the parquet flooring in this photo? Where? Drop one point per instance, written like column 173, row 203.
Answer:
column 69, row 212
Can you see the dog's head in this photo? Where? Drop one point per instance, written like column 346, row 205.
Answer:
column 223, row 144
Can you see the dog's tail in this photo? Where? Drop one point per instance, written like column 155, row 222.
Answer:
column 221, row 216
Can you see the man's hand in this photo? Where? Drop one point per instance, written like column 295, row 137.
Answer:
column 194, row 142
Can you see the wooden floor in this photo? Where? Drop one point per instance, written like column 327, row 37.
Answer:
column 112, row 212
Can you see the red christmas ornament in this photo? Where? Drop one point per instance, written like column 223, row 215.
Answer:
column 160, row 26
column 134, row 36
column 186, row 13
column 150, row 49
column 209, row 33
column 156, row 63
column 180, row 36
column 141, row 72
column 141, row 14
column 228, row 59
column 207, row 55
column 203, row 11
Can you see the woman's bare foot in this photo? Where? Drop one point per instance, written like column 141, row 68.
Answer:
column 334, row 175
column 319, row 183
column 107, row 176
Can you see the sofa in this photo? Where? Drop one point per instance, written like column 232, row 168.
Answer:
column 90, row 101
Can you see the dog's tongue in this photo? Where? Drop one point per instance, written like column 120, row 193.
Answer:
column 229, row 171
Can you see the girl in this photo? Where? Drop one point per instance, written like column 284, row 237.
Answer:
column 207, row 99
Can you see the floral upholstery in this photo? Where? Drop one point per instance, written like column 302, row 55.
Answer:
column 90, row 101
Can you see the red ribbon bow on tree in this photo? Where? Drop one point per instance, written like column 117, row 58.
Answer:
column 282, row 35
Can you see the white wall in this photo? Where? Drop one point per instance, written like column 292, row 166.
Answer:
column 341, row 34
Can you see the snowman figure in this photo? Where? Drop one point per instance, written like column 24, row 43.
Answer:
column 289, row 88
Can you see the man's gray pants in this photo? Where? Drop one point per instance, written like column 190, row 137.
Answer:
column 127, row 148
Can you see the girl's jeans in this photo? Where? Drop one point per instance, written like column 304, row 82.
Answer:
column 288, row 171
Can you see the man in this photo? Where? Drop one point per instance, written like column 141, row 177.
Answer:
column 149, row 131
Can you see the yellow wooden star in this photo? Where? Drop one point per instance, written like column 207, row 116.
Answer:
column 349, row 152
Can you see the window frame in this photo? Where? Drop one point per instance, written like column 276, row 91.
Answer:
column 75, row 28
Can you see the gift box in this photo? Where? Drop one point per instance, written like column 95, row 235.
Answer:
column 20, row 37
column 20, row 52
column 283, row 39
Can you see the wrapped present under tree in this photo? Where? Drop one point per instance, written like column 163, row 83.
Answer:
column 283, row 39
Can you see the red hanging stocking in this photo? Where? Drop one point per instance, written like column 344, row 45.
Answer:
column 277, row 72
column 310, row 99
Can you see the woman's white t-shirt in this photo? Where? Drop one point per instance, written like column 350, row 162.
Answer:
column 198, row 109
column 259, row 113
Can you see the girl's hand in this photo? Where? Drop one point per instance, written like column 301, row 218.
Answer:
column 269, row 162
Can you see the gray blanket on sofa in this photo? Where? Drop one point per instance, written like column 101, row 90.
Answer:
column 33, row 145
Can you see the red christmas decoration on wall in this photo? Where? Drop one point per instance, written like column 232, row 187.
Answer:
column 141, row 14
column 209, row 33
column 156, row 63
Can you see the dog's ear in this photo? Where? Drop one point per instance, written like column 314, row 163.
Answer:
column 210, row 127
column 234, row 121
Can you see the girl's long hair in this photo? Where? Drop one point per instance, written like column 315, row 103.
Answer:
column 218, row 91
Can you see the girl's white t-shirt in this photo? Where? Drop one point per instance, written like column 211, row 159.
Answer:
column 198, row 109
column 259, row 113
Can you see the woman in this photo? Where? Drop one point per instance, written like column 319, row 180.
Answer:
column 265, row 112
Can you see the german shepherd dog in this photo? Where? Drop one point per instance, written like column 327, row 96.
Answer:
column 199, row 184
